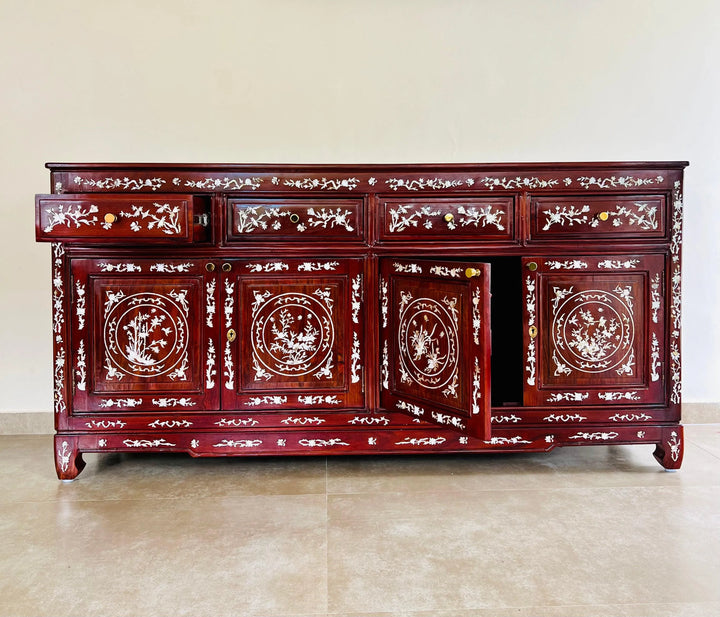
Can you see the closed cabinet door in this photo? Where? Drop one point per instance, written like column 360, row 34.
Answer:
column 594, row 330
column 143, row 335
column 435, row 342
column 292, row 334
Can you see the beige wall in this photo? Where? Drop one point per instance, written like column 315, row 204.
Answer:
column 352, row 81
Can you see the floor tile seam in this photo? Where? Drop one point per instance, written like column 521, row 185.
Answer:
column 703, row 448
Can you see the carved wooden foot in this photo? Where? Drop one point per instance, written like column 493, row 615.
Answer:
column 68, row 459
column 669, row 451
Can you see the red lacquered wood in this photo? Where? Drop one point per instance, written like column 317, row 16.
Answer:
column 225, row 310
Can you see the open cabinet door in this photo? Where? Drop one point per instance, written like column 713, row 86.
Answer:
column 435, row 342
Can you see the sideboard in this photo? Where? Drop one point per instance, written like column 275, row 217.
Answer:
column 225, row 310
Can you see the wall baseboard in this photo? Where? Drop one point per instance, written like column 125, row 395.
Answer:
column 41, row 422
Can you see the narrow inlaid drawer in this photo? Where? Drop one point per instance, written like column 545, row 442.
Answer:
column 612, row 216
column 122, row 219
column 490, row 219
column 295, row 219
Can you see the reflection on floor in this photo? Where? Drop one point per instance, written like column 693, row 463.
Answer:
column 579, row 531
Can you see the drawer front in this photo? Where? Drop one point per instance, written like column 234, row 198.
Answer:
column 488, row 219
column 620, row 216
column 295, row 219
column 152, row 218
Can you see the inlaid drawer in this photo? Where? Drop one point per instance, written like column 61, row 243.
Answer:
column 611, row 216
column 295, row 219
column 488, row 219
column 122, row 219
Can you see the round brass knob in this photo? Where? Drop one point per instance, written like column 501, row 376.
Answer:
column 532, row 266
column 603, row 216
column 294, row 218
column 448, row 218
column 110, row 218
column 226, row 267
column 471, row 272
column 210, row 267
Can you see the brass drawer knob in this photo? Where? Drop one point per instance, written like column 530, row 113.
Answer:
column 294, row 218
column 210, row 267
column 226, row 267
column 532, row 266
column 231, row 335
column 471, row 272
column 603, row 216
column 110, row 218
column 449, row 217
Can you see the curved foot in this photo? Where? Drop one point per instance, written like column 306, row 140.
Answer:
column 68, row 459
column 669, row 451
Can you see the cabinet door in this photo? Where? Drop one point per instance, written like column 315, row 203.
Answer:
column 293, row 334
column 143, row 335
column 435, row 342
column 594, row 330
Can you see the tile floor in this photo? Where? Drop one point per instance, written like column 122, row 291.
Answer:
column 579, row 531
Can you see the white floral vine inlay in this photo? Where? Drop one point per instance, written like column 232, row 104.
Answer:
column 568, row 264
column 518, row 183
column 355, row 357
column 530, row 307
column 126, row 184
column 564, row 417
column 273, row 266
column 618, row 396
column 421, row 441
column 174, row 402
column 370, row 420
column 105, row 424
column 481, row 216
column 356, row 298
column 655, row 296
column 618, row 264
column 445, row 271
column 166, row 218
column 567, row 214
column 318, row 266
column 322, row 443
column 571, row 397
column 512, row 419
column 238, row 443
column 170, row 424
column 237, row 422
column 403, row 217
column 654, row 358
column 255, row 401
column 303, row 420
column 426, row 183
column 147, row 443
column 120, row 267
column 597, row 436
column 676, row 300
column 58, row 301
column 81, row 366
column 630, row 417
column 120, row 402
column 229, row 371
column 408, row 268
column 328, row 399
column 80, row 310
column 171, row 268
column 227, row 184
column 64, row 456
column 620, row 181
column 68, row 215
column 332, row 184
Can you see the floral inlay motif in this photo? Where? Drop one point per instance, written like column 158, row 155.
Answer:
column 592, row 330
column 126, row 184
column 64, row 456
column 356, row 298
column 81, row 366
column 512, row 418
column 238, row 443
column 227, row 184
column 426, row 183
column 318, row 266
column 237, row 422
column 120, row 402
column 303, row 420
column 674, row 445
column 328, row 399
column 210, row 371
column 385, row 366
column 330, row 218
column 145, row 334
column 618, row 264
column 322, row 443
column 506, row 441
column 166, row 218
column 565, row 417
column 568, row 264
column 567, row 214
column 255, row 401
column 479, row 216
column 147, row 443
column 68, row 215
column 445, row 271
column 174, row 402
column 229, row 370
column 58, row 302
column 428, row 342
column 615, row 182
column 293, row 334
column 597, row 436
column 654, row 358
column 170, row 424
column 370, row 420
column 476, row 316
column 530, row 307
column 120, row 267
column 408, row 268
column 675, row 290
column 80, row 304
column 570, row 397
column 618, row 396
column 170, row 268
column 518, row 183
column 332, row 184
column 416, row 410
column 384, row 301
column 355, row 358
column 630, row 417
column 273, row 266
column 421, row 441
column 404, row 217
column 105, row 424
column 655, row 296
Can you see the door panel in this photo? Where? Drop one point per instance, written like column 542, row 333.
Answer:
column 136, row 344
column 293, row 334
column 435, row 342
column 594, row 330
